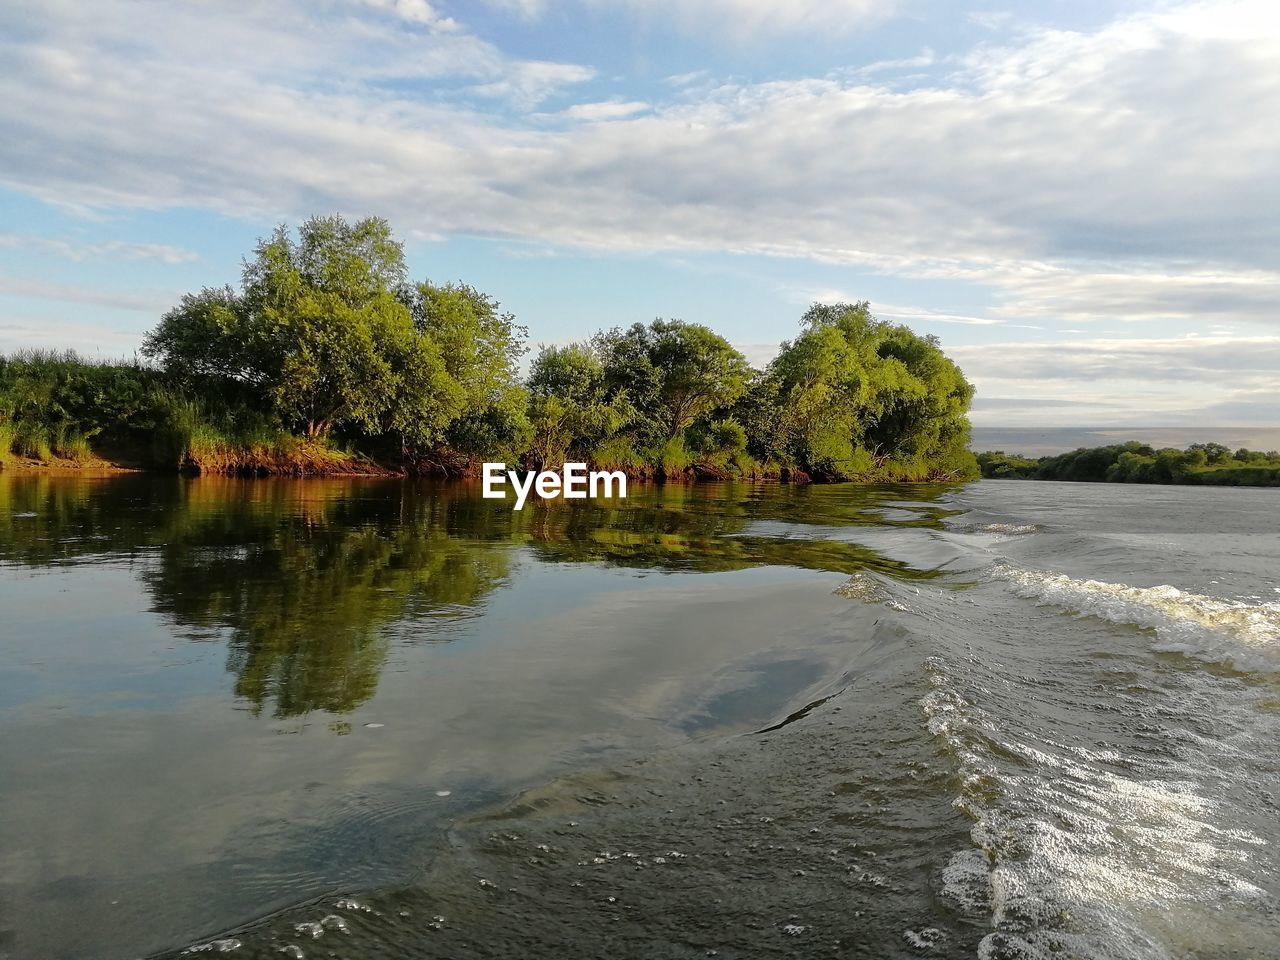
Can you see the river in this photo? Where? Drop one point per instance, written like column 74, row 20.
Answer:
column 379, row 719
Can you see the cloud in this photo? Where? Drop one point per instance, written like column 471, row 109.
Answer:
column 685, row 79
column 528, row 84
column 1088, row 292
column 1250, row 360
column 529, row 9
column 1019, row 403
column 1076, row 175
column 926, row 58
column 895, row 312
column 122, row 249
column 739, row 18
column 24, row 333
column 751, row 18
column 142, row 301
column 413, row 11
column 606, row 110
column 1149, row 381
column 759, row 355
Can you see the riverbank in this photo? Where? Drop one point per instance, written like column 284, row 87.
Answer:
column 432, row 386
column 321, row 462
column 300, row 460
column 94, row 466
column 1200, row 464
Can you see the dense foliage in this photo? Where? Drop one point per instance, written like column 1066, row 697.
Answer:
column 327, row 353
column 853, row 396
column 1133, row 462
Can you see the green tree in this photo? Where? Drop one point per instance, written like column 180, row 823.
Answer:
column 857, row 397
column 570, row 409
column 481, row 348
column 319, row 331
column 673, row 371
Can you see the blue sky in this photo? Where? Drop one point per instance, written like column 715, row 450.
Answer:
column 1082, row 199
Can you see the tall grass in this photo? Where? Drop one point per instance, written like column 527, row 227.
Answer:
column 194, row 439
column 70, row 444
column 32, row 441
column 7, row 436
column 54, row 402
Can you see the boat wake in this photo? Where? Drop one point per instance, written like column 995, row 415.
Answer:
column 1081, row 852
column 1245, row 635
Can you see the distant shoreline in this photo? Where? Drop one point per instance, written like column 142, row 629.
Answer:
column 1048, row 441
column 1198, row 464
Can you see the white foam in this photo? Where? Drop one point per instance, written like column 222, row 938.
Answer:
column 1071, row 857
column 867, row 588
column 225, row 945
column 1211, row 628
column 925, row 939
column 1007, row 529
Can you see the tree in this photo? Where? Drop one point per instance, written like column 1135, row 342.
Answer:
column 481, row 348
column 1214, row 453
column 570, row 410
column 673, row 371
column 320, row 333
column 859, row 397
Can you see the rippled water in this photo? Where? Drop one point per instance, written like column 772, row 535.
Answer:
column 365, row 719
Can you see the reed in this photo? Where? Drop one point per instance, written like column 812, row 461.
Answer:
column 7, row 437
column 70, row 444
column 32, row 440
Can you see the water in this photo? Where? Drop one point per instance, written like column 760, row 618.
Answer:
column 366, row 719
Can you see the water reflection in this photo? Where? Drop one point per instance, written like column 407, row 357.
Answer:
column 306, row 581
column 303, row 582
column 469, row 650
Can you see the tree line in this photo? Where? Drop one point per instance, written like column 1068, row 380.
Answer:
column 1134, row 462
column 327, row 357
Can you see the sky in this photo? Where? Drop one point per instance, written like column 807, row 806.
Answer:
column 1080, row 198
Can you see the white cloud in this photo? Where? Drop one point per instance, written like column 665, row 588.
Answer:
column 1077, row 176
column 74, row 250
column 143, row 301
column 529, row 9
column 1254, row 360
column 892, row 311
column 686, row 79
column 92, row 340
column 925, row 58
column 739, row 18
column 747, row 18
column 528, row 83
column 606, row 110
column 759, row 355
column 1208, row 380
column 1083, row 291
column 413, row 11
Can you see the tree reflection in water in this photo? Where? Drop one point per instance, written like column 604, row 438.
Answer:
column 305, row 579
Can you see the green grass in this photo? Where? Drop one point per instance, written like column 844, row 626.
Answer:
column 32, row 441
column 70, row 444
column 7, row 437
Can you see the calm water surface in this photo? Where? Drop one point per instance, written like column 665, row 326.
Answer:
column 371, row 719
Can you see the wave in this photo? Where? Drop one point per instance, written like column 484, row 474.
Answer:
column 868, row 588
column 1215, row 629
column 1004, row 530
column 1080, row 852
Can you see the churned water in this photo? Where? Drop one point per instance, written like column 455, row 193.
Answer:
column 378, row 720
